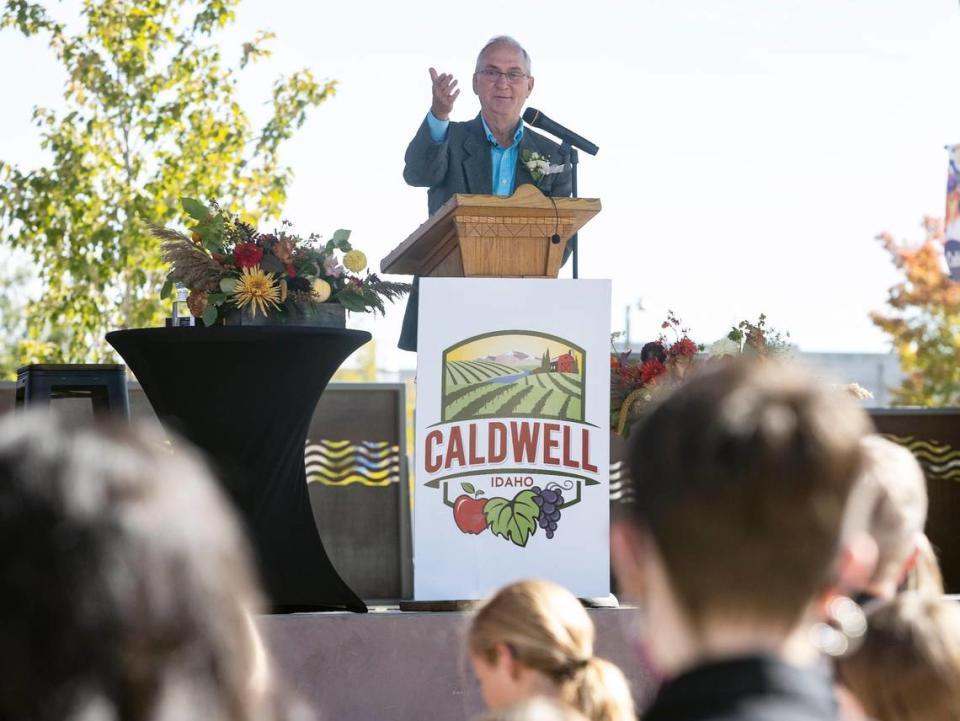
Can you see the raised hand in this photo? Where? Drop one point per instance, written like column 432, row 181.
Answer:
column 444, row 94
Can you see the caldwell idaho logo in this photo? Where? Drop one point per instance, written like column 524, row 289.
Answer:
column 512, row 437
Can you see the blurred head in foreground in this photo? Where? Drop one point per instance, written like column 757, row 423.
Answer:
column 896, row 520
column 127, row 585
column 533, row 638
column 741, row 479
column 908, row 666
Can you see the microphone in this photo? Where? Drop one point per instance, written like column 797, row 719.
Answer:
column 534, row 117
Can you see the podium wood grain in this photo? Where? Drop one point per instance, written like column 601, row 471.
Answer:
column 487, row 236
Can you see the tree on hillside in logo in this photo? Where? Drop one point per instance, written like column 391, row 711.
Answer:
column 545, row 361
column 923, row 320
column 150, row 114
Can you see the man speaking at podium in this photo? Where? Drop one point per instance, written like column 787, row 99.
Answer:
column 483, row 155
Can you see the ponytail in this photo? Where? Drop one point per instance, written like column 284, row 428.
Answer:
column 924, row 574
column 600, row 692
column 547, row 630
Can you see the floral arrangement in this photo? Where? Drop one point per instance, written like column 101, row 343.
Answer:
column 664, row 363
column 752, row 339
column 227, row 264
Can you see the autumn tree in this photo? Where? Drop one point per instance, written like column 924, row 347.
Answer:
column 150, row 114
column 923, row 320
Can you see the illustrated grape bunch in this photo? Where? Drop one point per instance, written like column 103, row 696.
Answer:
column 515, row 519
column 549, row 499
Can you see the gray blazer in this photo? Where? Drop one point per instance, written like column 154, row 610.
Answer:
column 462, row 164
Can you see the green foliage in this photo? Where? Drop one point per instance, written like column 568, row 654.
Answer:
column 13, row 326
column 758, row 338
column 514, row 520
column 150, row 116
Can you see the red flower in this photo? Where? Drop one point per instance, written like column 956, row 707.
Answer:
column 651, row 370
column 291, row 271
column 684, row 346
column 248, row 255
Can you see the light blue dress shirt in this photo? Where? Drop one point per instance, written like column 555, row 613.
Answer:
column 503, row 160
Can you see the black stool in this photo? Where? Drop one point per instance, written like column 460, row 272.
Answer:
column 104, row 384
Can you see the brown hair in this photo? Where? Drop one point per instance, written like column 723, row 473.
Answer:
column 127, row 581
column 741, row 477
column 908, row 667
column 899, row 513
column 546, row 629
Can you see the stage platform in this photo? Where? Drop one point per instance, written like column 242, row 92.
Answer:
column 389, row 665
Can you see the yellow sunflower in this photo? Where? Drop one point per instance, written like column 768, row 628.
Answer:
column 256, row 289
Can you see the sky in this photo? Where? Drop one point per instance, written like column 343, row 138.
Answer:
column 750, row 150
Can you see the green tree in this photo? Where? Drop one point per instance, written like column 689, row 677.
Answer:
column 13, row 323
column 150, row 115
column 545, row 361
column 923, row 320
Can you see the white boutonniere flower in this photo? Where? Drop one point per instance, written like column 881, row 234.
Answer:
column 539, row 165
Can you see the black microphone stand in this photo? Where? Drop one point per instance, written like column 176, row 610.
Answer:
column 575, row 250
column 568, row 153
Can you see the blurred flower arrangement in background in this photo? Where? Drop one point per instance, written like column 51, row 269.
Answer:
column 636, row 383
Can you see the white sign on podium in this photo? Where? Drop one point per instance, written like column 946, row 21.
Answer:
column 512, row 439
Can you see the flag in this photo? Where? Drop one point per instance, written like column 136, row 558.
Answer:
column 951, row 245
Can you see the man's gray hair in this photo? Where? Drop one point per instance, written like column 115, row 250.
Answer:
column 504, row 40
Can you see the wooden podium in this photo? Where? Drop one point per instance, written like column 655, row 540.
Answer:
column 486, row 236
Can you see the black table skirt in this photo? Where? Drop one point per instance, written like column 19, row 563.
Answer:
column 245, row 396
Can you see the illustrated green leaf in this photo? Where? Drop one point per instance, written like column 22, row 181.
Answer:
column 468, row 488
column 514, row 520
column 228, row 285
column 195, row 209
column 216, row 298
column 167, row 289
column 341, row 236
column 210, row 315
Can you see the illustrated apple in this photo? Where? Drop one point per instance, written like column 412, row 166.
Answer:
column 468, row 511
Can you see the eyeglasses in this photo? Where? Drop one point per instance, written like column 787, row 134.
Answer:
column 492, row 76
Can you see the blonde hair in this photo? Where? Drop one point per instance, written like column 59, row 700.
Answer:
column 546, row 629
column 908, row 668
column 898, row 515
column 538, row 708
column 924, row 575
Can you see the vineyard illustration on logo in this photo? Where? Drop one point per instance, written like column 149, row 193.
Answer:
column 514, row 398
